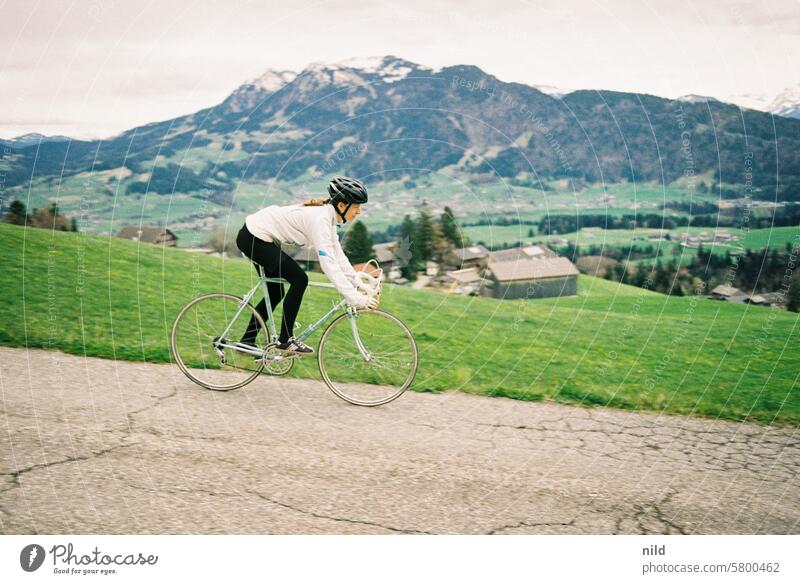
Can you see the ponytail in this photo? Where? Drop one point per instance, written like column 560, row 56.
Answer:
column 316, row 202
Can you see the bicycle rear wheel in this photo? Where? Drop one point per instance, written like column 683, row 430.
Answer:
column 378, row 374
column 204, row 355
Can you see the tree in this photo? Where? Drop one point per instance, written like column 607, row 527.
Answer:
column 49, row 217
column 450, row 230
column 358, row 244
column 424, row 234
column 441, row 245
column 793, row 297
column 17, row 213
column 221, row 242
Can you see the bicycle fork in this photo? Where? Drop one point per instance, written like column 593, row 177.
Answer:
column 353, row 316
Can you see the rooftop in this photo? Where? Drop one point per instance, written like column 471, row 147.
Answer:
column 465, row 276
column 472, row 252
column 528, row 269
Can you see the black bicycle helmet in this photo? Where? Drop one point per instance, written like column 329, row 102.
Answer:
column 346, row 190
column 349, row 190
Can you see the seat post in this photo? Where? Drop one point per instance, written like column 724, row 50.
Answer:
column 271, row 333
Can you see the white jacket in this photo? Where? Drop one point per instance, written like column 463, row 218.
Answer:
column 314, row 227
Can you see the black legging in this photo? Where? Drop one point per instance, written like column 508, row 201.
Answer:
column 276, row 264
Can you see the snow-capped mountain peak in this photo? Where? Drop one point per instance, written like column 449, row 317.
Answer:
column 273, row 80
column 694, row 98
column 388, row 68
column 787, row 103
column 553, row 91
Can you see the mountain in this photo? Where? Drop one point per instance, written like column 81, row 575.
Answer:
column 787, row 103
column 32, row 139
column 692, row 98
column 386, row 118
column 554, row 91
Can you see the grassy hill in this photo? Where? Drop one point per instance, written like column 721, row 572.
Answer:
column 773, row 237
column 610, row 345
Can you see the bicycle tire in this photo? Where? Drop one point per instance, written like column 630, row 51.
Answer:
column 368, row 383
column 192, row 364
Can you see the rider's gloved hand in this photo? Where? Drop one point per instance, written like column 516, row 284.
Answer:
column 362, row 302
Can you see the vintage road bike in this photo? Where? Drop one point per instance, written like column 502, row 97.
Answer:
column 366, row 357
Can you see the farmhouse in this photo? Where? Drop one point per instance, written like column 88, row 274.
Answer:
column 466, row 281
column 386, row 255
column 767, row 299
column 508, row 255
column 729, row 293
column 467, row 257
column 535, row 252
column 529, row 278
column 155, row 235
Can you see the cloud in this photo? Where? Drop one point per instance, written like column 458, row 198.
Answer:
column 95, row 62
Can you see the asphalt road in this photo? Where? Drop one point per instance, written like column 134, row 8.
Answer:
column 98, row 446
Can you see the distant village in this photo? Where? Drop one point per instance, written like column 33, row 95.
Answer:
column 527, row 272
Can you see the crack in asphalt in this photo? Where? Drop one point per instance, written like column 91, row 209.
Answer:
column 19, row 472
column 669, row 441
column 489, row 441
column 647, row 509
column 531, row 524
column 161, row 434
column 342, row 519
column 158, row 401
column 713, row 447
column 16, row 474
column 662, row 517
column 281, row 504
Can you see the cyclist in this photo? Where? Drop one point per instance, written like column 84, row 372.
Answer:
column 312, row 223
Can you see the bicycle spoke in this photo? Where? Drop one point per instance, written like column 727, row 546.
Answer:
column 387, row 370
column 201, row 322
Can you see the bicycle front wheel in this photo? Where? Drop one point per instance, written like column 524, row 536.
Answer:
column 204, row 351
column 369, row 358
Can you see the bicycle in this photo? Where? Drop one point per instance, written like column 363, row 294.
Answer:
column 366, row 357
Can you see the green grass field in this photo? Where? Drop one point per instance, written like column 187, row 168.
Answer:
column 774, row 237
column 611, row 345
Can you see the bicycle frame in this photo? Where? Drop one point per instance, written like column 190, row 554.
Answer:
column 272, row 329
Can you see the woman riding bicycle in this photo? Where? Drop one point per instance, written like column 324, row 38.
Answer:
column 313, row 223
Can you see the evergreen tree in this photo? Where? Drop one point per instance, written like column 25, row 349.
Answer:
column 409, row 255
column 358, row 244
column 450, row 230
column 441, row 245
column 793, row 297
column 17, row 213
column 424, row 234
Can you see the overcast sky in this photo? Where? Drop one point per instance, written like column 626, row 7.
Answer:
column 96, row 67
